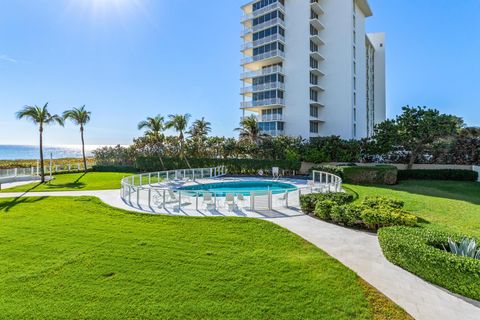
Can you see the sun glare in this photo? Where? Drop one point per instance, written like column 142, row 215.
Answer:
column 104, row 8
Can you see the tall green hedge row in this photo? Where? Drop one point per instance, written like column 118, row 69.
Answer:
column 234, row 166
column 419, row 251
column 453, row 175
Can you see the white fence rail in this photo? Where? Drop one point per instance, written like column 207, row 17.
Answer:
column 159, row 192
column 35, row 171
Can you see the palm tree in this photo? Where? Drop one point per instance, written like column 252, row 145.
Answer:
column 179, row 122
column 250, row 130
column 80, row 117
column 199, row 132
column 40, row 116
column 200, row 129
column 154, row 130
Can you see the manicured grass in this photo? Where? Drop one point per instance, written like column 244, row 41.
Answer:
column 447, row 205
column 75, row 182
column 78, row 258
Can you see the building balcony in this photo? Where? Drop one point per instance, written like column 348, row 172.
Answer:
column 317, row 72
column 275, row 55
column 270, row 23
column 317, row 87
column 268, row 118
column 316, row 7
column 263, row 87
column 274, row 133
column 314, row 103
column 317, row 55
column 252, row 44
column 317, row 24
column 262, row 72
column 317, row 39
column 272, row 7
column 275, row 102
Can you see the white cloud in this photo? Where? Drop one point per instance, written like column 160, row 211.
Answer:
column 4, row 57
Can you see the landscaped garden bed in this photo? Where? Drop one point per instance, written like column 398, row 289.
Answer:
column 423, row 252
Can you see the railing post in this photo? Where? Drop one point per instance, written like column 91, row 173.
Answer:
column 141, row 180
column 270, row 194
column 196, row 201
column 210, row 173
column 138, row 196
column 149, row 197
column 15, row 172
column 149, row 179
column 164, row 198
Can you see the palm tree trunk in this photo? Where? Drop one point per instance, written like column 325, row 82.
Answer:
column 83, row 150
column 182, row 153
column 42, row 168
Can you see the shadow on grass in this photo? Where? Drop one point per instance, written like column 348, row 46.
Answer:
column 8, row 205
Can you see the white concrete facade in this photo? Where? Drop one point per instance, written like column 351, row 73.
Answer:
column 305, row 68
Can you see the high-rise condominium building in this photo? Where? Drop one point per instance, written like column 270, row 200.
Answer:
column 310, row 69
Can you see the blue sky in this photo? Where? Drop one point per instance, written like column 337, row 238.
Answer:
column 128, row 59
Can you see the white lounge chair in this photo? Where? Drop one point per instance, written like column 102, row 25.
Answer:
column 276, row 172
column 240, row 198
column 230, row 202
column 208, row 201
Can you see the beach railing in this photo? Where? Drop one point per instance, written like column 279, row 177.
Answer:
column 34, row 171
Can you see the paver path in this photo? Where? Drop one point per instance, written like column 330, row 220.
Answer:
column 359, row 251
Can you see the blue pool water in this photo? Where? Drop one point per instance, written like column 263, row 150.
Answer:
column 242, row 187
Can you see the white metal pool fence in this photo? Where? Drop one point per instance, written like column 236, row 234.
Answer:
column 35, row 170
column 159, row 191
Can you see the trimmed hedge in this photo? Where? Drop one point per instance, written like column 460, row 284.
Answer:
column 370, row 175
column 372, row 213
column 234, row 166
column 309, row 201
column 114, row 169
column 418, row 251
column 450, row 174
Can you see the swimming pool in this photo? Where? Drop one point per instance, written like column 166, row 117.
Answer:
column 242, row 187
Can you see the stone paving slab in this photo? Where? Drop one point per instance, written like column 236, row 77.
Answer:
column 360, row 251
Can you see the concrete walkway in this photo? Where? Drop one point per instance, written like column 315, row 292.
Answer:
column 359, row 251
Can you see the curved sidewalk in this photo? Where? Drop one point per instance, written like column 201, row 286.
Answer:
column 359, row 251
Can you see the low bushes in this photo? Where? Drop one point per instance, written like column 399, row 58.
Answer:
column 372, row 213
column 309, row 201
column 114, row 169
column 454, row 175
column 370, row 175
column 419, row 251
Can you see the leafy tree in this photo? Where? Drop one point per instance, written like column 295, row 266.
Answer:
column 40, row 116
column 414, row 130
column 179, row 122
column 467, row 145
column 154, row 132
column 80, row 117
column 250, row 130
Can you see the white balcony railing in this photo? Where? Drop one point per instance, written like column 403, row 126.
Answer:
column 259, row 42
column 263, row 87
column 263, row 56
column 267, row 118
column 262, row 72
column 260, row 12
column 267, row 24
column 263, row 103
column 274, row 133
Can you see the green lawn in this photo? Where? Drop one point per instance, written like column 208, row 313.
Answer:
column 449, row 205
column 78, row 258
column 75, row 182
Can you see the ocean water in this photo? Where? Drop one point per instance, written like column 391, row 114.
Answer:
column 19, row 152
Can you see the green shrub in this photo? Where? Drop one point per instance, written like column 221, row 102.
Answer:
column 308, row 202
column 381, row 217
column 377, row 202
column 370, row 175
column 349, row 215
column 373, row 213
column 454, row 175
column 418, row 251
column 323, row 209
